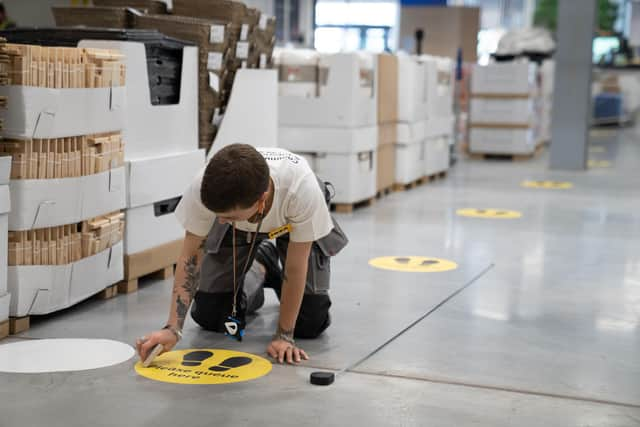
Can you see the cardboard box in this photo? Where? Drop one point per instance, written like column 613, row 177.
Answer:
column 40, row 203
column 150, row 130
column 5, row 169
column 386, row 159
column 214, row 9
column 446, row 30
column 5, row 206
column 328, row 140
column 412, row 89
column 410, row 158
column 38, row 112
column 100, row 17
column 46, row 289
column 387, row 133
column 507, row 78
column 502, row 141
column 152, row 225
column 387, row 88
column 436, row 155
column 183, row 166
column 510, row 111
column 150, row 6
column 440, row 81
column 353, row 175
column 342, row 102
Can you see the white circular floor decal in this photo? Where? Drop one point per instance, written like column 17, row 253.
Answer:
column 62, row 355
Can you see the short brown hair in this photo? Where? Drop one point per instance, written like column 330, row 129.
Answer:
column 235, row 178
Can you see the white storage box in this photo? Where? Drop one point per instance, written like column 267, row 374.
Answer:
column 328, row 140
column 518, row 77
column 502, row 141
column 150, row 219
column 5, row 301
column 409, row 133
column 152, row 225
column 353, row 175
column 412, row 89
column 410, row 161
column 40, row 203
column 298, row 72
column 162, row 177
column 503, row 110
column 5, row 206
column 152, row 130
column 48, row 288
column 5, row 169
column 446, row 86
column 440, row 125
column 343, row 102
column 37, row 112
column 436, row 155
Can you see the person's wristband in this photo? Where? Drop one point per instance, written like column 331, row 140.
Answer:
column 177, row 332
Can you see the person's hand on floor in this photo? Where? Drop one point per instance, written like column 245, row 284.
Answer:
column 284, row 351
column 145, row 344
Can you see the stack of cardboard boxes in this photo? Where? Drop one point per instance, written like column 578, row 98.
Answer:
column 5, row 204
column 63, row 136
column 439, row 130
column 547, row 73
column 229, row 36
column 504, row 110
column 387, row 121
column 336, row 127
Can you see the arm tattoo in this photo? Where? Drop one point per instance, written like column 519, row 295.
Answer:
column 190, row 286
column 282, row 331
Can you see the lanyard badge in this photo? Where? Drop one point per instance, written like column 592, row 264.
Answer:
column 280, row 231
column 234, row 328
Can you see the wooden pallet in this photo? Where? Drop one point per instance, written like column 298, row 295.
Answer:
column 5, row 329
column 158, row 262
column 108, row 293
column 508, row 157
column 410, row 185
column 435, row 176
column 18, row 325
column 349, row 207
column 384, row 192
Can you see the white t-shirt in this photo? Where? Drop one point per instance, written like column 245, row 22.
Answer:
column 297, row 200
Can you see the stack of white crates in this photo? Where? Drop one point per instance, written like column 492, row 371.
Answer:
column 53, row 195
column 5, row 205
column 504, row 112
column 440, row 76
column 547, row 71
column 327, row 113
column 412, row 119
column 162, row 157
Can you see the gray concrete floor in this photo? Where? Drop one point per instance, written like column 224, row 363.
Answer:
column 544, row 331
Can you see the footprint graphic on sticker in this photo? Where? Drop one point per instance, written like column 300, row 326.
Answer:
column 195, row 358
column 230, row 363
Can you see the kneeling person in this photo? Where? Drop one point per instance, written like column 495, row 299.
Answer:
column 243, row 198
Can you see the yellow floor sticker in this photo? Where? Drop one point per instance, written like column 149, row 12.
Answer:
column 205, row 366
column 550, row 185
column 599, row 163
column 489, row 213
column 597, row 149
column 413, row 264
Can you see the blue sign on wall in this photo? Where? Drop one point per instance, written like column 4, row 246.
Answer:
column 423, row 2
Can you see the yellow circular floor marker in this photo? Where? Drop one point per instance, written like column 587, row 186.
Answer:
column 489, row 213
column 413, row 264
column 205, row 366
column 550, row 185
column 597, row 149
column 599, row 164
